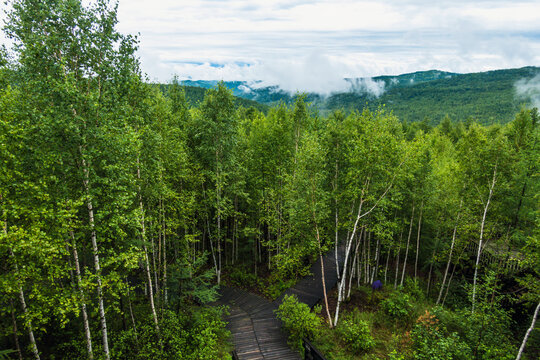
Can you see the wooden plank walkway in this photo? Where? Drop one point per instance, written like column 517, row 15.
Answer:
column 256, row 330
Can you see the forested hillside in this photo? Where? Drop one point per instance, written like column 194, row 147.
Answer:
column 486, row 97
column 124, row 206
column 195, row 95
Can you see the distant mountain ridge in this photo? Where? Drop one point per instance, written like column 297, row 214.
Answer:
column 486, row 96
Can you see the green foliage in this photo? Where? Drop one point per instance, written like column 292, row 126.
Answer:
column 298, row 320
column 241, row 277
column 5, row 354
column 276, row 285
column 431, row 341
column 356, row 333
column 192, row 281
column 199, row 335
column 412, row 288
column 398, row 307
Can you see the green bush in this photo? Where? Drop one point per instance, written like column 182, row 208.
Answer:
column 398, row 307
column 200, row 335
column 276, row 285
column 412, row 288
column 298, row 320
column 431, row 341
column 242, row 278
column 355, row 333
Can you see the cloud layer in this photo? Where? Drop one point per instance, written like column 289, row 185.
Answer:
column 312, row 45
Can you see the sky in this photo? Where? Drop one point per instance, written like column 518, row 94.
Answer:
column 312, row 45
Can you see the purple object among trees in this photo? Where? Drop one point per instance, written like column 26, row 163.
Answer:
column 377, row 285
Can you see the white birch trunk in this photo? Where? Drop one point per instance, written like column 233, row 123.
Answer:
column 418, row 241
column 33, row 344
column 165, row 286
column 374, row 271
column 386, row 266
column 343, row 279
column 397, row 258
column 131, row 312
column 15, row 331
column 354, row 262
column 450, row 254
column 482, row 236
column 103, row 319
column 146, row 259
column 407, row 248
column 341, row 284
column 86, row 324
column 522, row 347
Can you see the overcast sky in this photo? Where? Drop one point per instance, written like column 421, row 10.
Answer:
column 312, row 45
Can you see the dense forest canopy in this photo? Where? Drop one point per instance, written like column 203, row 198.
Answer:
column 124, row 206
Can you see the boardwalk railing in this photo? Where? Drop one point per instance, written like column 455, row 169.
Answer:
column 310, row 352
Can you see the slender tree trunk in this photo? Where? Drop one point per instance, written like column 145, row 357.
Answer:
column 131, row 311
column 323, row 277
column 15, row 331
column 149, row 279
column 146, row 259
column 336, row 218
column 407, row 248
column 95, row 251
column 361, row 241
column 212, row 248
column 341, row 284
column 358, row 265
column 33, row 344
column 218, row 217
column 336, row 240
column 368, row 258
column 154, row 267
column 450, row 280
column 450, row 254
column 376, row 268
column 30, row 331
column 386, row 265
column 165, row 285
column 418, row 241
column 430, row 269
column 397, row 258
column 354, row 262
column 482, row 235
column 522, row 347
column 86, row 324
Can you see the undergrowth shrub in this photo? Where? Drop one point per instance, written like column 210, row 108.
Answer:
column 242, row 278
column 355, row 332
column 276, row 285
column 199, row 335
column 398, row 307
column 431, row 341
column 298, row 320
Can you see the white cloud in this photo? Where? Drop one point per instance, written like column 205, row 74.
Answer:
column 313, row 45
column 529, row 90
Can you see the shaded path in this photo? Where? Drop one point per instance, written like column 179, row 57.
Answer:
column 253, row 324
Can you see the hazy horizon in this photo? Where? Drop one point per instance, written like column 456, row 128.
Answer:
column 313, row 45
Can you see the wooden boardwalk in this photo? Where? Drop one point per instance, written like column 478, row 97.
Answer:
column 256, row 330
